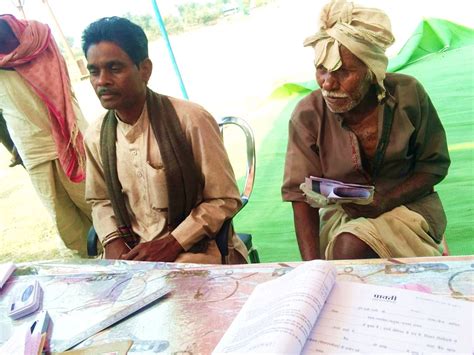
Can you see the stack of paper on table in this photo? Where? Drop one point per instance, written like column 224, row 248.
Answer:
column 307, row 311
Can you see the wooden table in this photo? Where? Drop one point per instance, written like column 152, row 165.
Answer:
column 205, row 299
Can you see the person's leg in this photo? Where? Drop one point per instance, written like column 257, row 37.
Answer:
column 71, row 222
column 76, row 192
column 74, row 214
column 348, row 246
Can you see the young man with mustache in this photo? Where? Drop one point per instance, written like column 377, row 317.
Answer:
column 158, row 176
column 365, row 126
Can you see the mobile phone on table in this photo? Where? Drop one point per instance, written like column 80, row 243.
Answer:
column 27, row 301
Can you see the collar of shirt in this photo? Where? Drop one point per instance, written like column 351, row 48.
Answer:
column 132, row 132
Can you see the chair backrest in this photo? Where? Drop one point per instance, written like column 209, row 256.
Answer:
column 222, row 235
column 250, row 149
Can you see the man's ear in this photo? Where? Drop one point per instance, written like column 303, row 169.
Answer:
column 146, row 67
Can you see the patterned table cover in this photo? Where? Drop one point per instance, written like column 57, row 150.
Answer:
column 204, row 299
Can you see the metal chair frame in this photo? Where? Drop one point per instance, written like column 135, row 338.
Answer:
column 222, row 236
column 251, row 160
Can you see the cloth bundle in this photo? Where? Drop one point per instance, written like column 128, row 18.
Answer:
column 366, row 32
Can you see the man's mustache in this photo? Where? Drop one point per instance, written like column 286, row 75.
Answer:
column 334, row 94
column 105, row 91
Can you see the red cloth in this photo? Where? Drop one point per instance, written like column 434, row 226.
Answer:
column 38, row 60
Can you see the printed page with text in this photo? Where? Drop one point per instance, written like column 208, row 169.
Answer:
column 377, row 319
column 307, row 311
column 279, row 314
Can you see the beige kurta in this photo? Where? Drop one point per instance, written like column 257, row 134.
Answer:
column 30, row 129
column 141, row 173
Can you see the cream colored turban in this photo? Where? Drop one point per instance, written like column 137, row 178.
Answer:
column 366, row 32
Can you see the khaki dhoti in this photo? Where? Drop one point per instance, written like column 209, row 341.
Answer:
column 400, row 232
column 65, row 202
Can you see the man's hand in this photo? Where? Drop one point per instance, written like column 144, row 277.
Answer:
column 378, row 206
column 416, row 186
column 15, row 158
column 164, row 249
column 116, row 248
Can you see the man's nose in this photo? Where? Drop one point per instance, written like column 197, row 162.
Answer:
column 330, row 82
column 103, row 79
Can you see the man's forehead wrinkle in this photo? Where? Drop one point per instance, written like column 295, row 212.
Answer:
column 106, row 63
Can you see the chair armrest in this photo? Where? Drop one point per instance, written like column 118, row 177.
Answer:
column 250, row 153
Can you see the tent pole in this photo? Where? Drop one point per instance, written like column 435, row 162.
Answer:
column 164, row 33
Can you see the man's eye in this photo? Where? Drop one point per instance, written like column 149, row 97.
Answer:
column 321, row 69
column 342, row 72
column 116, row 69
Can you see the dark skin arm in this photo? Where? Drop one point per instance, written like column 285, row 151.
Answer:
column 419, row 184
column 164, row 249
column 306, row 219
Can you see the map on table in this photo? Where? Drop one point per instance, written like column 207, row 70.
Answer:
column 86, row 301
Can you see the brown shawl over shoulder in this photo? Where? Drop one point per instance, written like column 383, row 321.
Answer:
column 182, row 178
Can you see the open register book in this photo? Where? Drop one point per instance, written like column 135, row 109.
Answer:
column 339, row 192
column 307, row 311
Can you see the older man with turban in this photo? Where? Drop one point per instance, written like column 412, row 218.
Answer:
column 365, row 126
column 45, row 123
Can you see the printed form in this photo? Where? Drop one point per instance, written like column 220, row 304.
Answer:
column 280, row 314
column 376, row 319
column 307, row 311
